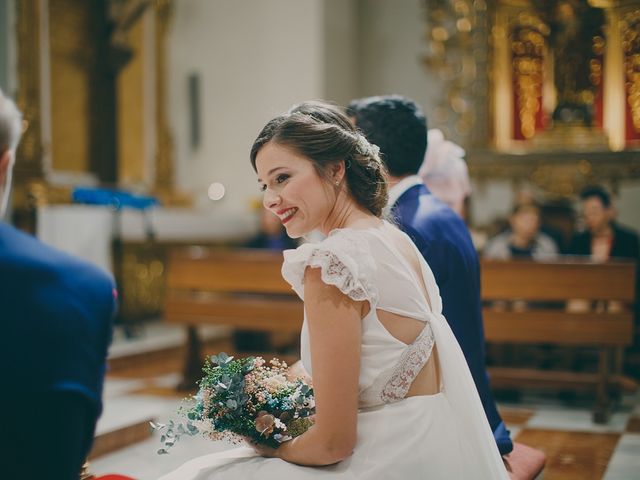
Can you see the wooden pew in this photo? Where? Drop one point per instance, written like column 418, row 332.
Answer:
column 535, row 283
column 238, row 288
column 245, row 289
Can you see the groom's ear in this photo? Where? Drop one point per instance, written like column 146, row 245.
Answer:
column 5, row 162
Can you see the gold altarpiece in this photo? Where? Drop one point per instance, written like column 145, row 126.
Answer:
column 70, row 76
column 57, row 64
column 510, row 119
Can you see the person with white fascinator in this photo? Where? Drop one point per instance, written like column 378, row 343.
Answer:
column 444, row 171
column 56, row 313
column 10, row 130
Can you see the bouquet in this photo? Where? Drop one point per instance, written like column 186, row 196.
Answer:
column 244, row 399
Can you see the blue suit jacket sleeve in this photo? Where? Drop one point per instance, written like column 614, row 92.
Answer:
column 57, row 313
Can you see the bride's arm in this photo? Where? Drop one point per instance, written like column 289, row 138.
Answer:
column 334, row 322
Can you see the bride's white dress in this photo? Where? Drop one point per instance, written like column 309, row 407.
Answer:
column 441, row 436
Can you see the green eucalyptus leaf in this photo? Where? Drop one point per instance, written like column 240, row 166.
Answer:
column 192, row 428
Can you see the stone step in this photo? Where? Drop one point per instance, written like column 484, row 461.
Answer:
column 123, row 437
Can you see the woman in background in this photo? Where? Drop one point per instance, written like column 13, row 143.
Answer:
column 523, row 239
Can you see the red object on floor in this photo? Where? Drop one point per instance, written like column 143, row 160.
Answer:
column 114, row 477
column 524, row 462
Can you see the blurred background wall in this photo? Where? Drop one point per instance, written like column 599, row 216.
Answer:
column 193, row 81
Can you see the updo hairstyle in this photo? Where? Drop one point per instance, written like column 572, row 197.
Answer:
column 323, row 133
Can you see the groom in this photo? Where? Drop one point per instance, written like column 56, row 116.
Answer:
column 399, row 128
column 56, row 313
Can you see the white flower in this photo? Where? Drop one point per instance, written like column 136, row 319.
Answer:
column 275, row 383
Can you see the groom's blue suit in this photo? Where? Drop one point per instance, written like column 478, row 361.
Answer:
column 444, row 241
column 56, row 316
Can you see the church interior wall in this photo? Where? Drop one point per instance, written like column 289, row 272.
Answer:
column 627, row 204
column 7, row 46
column 490, row 201
column 254, row 59
column 341, row 50
column 253, row 62
column 391, row 44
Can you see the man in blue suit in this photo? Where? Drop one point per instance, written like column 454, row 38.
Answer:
column 399, row 128
column 55, row 327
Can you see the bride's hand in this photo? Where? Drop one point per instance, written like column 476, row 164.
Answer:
column 261, row 450
column 264, row 451
column 268, row 452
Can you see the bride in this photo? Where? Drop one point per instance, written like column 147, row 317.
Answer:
column 394, row 396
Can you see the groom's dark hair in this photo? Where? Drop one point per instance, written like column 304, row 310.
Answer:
column 397, row 126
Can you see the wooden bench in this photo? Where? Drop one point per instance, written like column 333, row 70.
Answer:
column 245, row 289
column 536, row 285
column 239, row 288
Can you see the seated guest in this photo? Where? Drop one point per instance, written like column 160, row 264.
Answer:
column 56, row 315
column 523, row 239
column 603, row 238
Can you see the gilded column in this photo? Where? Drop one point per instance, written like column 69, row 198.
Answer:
column 456, row 36
column 502, row 99
column 614, row 96
column 631, row 49
column 164, row 175
column 29, row 164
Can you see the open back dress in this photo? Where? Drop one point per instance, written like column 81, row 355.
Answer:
column 440, row 436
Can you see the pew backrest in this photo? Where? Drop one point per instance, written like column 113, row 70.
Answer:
column 241, row 288
column 547, row 289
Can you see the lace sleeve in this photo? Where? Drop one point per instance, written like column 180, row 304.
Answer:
column 343, row 264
